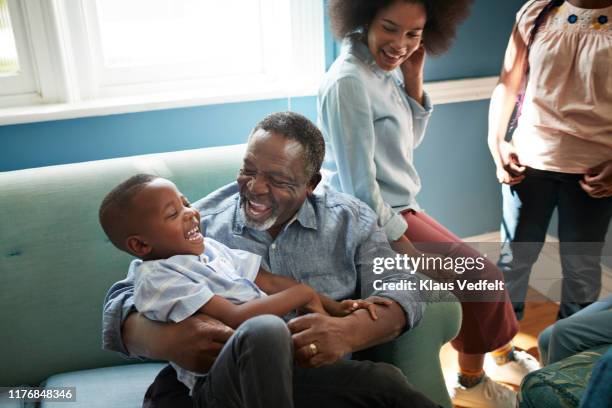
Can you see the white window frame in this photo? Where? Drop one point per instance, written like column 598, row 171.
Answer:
column 69, row 81
column 21, row 85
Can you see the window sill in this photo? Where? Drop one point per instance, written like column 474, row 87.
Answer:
column 131, row 104
column 442, row 92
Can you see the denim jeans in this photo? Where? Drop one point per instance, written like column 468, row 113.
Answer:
column 583, row 224
column 255, row 369
column 599, row 390
column 590, row 327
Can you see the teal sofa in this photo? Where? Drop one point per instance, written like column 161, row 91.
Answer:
column 57, row 265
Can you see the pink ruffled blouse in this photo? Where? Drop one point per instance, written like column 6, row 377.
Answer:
column 566, row 121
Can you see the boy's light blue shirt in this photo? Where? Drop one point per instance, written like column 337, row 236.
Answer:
column 175, row 288
column 371, row 128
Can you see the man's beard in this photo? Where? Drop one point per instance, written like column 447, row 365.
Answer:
column 257, row 225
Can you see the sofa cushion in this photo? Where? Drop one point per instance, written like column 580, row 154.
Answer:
column 57, row 262
column 561, row 384
column 117, row 387
column 6, row 402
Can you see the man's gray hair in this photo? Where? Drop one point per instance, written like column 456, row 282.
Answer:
column 299, row 128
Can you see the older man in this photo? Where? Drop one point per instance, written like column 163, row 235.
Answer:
column 325, row 239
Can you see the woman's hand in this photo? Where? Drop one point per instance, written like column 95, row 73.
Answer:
column 403, row 246
column 597, row 181
column 443, row 274
column 510, row 172
column 412, row 69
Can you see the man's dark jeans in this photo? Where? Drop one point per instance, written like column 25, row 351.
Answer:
column 256, row 369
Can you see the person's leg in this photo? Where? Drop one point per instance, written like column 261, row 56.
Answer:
column 599, row 389
column 588, row 328
column 345, row 384
column 167, row 391
column 527, row 209
column 583, row 225
column 544, row 344
column 485, row 326
column 254, row 368
column 544, row 339
column 355, row 384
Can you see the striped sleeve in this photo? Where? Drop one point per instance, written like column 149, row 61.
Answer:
column 163, row 293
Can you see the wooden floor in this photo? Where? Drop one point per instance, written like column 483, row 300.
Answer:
column 538, row 316
column 540, row 312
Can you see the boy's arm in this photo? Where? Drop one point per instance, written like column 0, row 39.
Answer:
column 278, row 304
column 271, row 283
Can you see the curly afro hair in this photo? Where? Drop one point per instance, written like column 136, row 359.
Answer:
column 443, row 17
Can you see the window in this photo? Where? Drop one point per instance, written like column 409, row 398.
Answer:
column 9, row 63
column 209, row 50
column 17, row 78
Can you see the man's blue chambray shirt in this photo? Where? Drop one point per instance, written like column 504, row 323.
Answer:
column 330, row 245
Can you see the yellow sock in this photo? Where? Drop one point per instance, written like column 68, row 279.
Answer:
column 503, row 354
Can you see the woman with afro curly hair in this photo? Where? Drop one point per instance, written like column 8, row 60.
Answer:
column 373, row 113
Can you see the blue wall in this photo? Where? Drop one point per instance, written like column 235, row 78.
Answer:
column 481, row 42
column 457, row 173
column 102, row 137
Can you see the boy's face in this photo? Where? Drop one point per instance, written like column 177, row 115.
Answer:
column 166, row 223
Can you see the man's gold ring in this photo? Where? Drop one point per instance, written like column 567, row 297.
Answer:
column 313, row 348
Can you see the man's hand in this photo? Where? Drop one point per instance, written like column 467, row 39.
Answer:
column 511, row 171
column 193, row 343
column 597, row 181
column 321, row 340
column 196, row 342
column 404, row 246
column 330, row 335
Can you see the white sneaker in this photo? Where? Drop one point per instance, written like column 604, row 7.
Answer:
column 486, row 394
column 513, row 371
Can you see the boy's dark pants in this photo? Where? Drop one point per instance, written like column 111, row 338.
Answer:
column 256, row 369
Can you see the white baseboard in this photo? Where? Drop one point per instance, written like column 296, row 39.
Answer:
column 461, row 90
column 549, row 258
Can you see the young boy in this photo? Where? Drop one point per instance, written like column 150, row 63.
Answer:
column 180, row 272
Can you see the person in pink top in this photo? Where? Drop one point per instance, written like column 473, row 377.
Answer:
column 560, row 156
